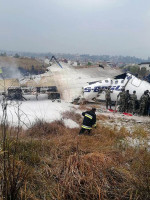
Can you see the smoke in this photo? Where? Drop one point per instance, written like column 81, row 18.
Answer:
column 10, row 70
column 69, row 81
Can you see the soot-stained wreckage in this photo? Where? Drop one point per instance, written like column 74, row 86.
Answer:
column 28, row 93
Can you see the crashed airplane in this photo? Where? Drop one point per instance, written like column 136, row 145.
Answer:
column 96, row 90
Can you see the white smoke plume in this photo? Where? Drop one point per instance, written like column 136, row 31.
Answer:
column 10, row 70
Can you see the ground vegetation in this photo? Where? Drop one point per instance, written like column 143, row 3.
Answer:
column 50, row 161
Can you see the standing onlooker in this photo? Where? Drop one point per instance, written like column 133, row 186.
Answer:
column 148, row 103
column 143, row 104
column 127, row 99
column 121, row 95
column 36, row 94
column 108, row 97
column 133, row 102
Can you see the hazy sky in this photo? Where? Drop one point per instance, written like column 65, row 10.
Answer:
column 115, row 27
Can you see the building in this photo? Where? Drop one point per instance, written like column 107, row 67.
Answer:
column 146, row 65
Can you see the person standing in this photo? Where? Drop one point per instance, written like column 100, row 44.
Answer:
column 36, row 94
column 89, row 121
column 133, row 102
column 143, row 104
column 121, row 95
column 127, row 99
column 148, row 103
column 108, row 97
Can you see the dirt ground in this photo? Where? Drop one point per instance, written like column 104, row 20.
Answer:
column 119, row 120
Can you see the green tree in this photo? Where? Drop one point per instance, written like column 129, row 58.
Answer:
column 3, row 54
column 143, row 71
column 89, row 64
column 16, row 55
column 134, row 69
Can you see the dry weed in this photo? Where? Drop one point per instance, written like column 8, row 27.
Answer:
column 92, row 176
column 43, row 129
column 72, row 115
column 65, row 166
column 102, row 117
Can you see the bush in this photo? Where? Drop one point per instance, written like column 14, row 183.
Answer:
column 42, row 128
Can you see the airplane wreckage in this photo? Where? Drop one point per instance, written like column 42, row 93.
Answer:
column 93, row 91
column 96, row 90
column 11, row 89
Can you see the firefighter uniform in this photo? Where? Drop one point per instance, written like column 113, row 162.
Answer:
column 89, row 121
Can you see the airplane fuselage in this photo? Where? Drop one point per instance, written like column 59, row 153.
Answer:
column 131, row 83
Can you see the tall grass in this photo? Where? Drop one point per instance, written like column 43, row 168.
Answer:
column 53, row 162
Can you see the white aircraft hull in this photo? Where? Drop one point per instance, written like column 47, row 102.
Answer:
column 131, row 83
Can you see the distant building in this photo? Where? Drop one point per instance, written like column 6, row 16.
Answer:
column 146, row 65
column 69, row 62
column 64, row 60
column 75, row 64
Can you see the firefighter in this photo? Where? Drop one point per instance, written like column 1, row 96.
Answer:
column 89, row 121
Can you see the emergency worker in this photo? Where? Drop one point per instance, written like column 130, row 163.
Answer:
column 133, row 101
column 108, row 97
column 89, row 121
column 36, row 95
column 143, row 104
column 148, row 103
column 121, row 95
column 127, row 100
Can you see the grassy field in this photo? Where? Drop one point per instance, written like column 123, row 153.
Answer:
column 25, row 63
column 51, row 162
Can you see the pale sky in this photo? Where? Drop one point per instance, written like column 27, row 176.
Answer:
column 114, row 27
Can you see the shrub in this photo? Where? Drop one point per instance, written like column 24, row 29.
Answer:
column 42, row 128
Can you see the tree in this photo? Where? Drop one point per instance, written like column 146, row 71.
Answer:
column 16, row 55
column 143, row 71
column 3, row 54
column 89, row 63
column 134, row 69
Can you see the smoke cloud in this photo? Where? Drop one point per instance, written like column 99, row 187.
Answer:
column 10, row 70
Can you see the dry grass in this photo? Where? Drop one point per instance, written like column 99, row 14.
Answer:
column 42, row 129
column 72, row 115
column 25, row 63
column 102, row 117
column 139, row 132
column 65, row 166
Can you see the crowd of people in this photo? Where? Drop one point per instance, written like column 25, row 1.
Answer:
column 129, row 103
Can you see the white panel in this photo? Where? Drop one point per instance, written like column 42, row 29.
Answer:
column 136, row 82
